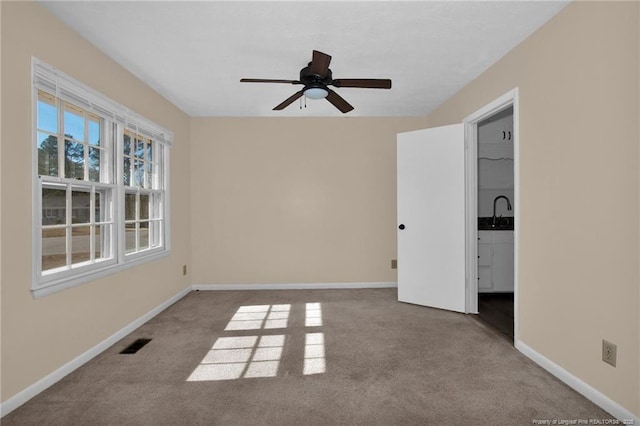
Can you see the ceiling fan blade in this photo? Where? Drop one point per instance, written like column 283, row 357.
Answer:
column 320, row 63
column 338, row 101
column 267, row 80
column 289, row 101
column 365, row 83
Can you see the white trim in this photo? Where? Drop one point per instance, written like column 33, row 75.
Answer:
column 471, row 215
column 95, row 274
column 511, row 98
column 63, row 86
column 36, row 190
column 50, row 379
column 118, row 200
column 295, row 286
column 166, row 198
column 588, row 391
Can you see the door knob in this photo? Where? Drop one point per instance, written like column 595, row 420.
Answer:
column 401, row 226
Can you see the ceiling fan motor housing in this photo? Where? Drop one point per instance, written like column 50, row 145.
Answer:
column 310, row 79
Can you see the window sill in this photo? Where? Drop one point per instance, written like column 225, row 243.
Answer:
column 40, row 290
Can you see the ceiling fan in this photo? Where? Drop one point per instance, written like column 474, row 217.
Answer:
column 316, row 77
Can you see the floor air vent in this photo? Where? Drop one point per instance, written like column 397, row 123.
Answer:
column 135, row 346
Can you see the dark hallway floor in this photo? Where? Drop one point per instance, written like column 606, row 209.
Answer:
column 496, row 310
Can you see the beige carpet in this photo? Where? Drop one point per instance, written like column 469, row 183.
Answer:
column 338, row 357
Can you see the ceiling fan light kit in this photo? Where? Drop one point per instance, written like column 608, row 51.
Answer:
column 316, row 93
column 316, row 77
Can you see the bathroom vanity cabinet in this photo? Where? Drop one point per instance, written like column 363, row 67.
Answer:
column 495, row 261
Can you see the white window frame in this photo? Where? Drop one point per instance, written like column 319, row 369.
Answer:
column 145, row 189
column 115, row 118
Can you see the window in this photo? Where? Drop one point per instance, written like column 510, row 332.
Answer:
column 100, row 180
column 76, row 190
column 142, row 177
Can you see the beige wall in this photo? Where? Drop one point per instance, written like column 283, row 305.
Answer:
column 294, row 200
column 39, row 336
column 578, row 277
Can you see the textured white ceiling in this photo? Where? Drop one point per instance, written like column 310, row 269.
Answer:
column 194, row 53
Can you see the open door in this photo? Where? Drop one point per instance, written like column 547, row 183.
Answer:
column 431, row 218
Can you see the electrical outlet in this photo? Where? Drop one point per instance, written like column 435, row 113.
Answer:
column 609, row 352
column 394, row 263
column 184, row 269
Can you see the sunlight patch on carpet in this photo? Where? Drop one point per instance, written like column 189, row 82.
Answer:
column 257, row 317
column 313, row 315
column 314, row 362
column 236, row 357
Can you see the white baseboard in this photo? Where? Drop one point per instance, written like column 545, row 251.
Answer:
column 294, row 286
column 23, row 396
column 578, row 385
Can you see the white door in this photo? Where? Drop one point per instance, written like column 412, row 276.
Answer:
column 431, row 217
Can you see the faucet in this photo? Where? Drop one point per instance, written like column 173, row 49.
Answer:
column 493, row 219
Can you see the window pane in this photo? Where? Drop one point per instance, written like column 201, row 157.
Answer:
column 47, row 155
column 158, row 164
column 144, row 235
column 144, row 206
column 139, row 148
column 101, row 207
column 158, row 154
column 157, row 176
column 150, row 151
column 130, row 206
column 80, row 244
column 149, row 177
column 47, row 113
column 138, row 175
column 155, row 233
column 54, row 206
column 80, row 206
column 73, row 122
column 130, row 237
column 73, row 160
column 94, row 131
column 102, row 236
column 54, row 245
column 94, row 164
column 127, row 143
column 156, row 212
column 127, row 171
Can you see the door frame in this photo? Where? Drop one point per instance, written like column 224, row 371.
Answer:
column 471, row 198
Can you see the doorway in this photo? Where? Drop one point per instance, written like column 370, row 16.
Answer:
column 495, row 221
column 492, row 211
column 437, row 190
